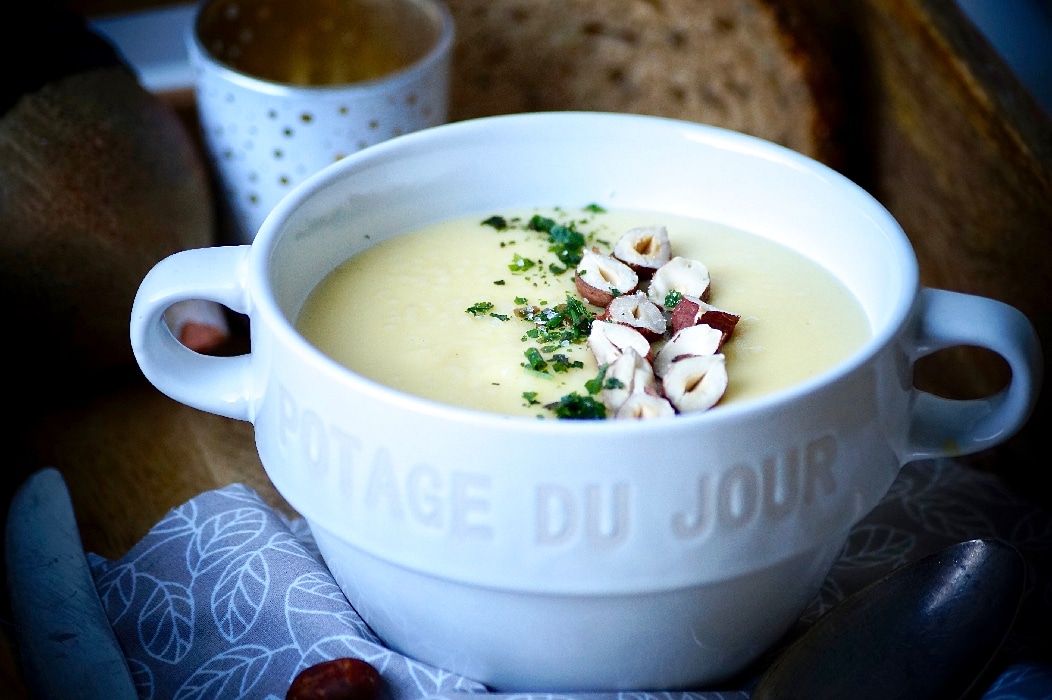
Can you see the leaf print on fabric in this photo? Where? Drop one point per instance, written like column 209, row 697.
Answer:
column 142, row 678
column 238, row 596
column 902, row 487
column 239, row 493
column 178, row 521
column 984, row 488
column 239, row 672
column 314, row 600
column 301, row 530
column 286, row 543
column 221, row 536
column 876, row 545
column 429, row 679
column 1033, row 531
column 828, row 596
column 116, row 588
column 945, row 513
column 166, row 620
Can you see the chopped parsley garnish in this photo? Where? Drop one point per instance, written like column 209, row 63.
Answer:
column 564, row 241
column 562, row 363
column 541, row 223
column 566, row 323
column 479, row 308
column 600, row 382
column 553, row 329
column 576, row 407
column 673, row 298
column 520, row 264
column 580, row 317
column 497, row 222
column 594, row 386
column 534, row 360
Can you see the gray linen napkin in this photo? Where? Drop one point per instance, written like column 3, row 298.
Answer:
column 226, row 598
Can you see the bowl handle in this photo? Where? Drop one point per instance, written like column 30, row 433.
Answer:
column 220, row 385
column 941, row 427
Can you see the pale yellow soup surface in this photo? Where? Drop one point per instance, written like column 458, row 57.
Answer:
column 397, row 313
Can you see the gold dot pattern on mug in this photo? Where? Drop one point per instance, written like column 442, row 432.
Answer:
column 300, row 139
column 277, row 102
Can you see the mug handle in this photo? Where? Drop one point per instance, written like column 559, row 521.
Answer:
column 220, row 385
column 940, row 427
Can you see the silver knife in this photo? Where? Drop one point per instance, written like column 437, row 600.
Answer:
column 66, row 642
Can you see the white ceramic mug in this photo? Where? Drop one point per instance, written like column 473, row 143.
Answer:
column 582, row 555
column 286, row 87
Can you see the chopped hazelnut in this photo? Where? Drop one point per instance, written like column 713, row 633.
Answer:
column 691, row 341
column 644, row 249
column 608, row 341
column 696, row 383
column 639, row 312
column 600, row 278
column 643, row 405
column 691, row 311
column 686, row 276
column 632, row 374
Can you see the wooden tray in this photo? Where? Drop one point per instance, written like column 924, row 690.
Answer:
column 950, row 141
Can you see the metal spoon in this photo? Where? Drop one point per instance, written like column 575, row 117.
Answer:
column 927, row 630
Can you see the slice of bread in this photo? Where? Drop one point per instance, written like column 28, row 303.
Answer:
column 738, row 64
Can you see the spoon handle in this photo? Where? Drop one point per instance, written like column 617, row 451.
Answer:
column 68, row 647
column 927, row 630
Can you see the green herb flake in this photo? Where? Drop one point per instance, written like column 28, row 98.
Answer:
column 594, row 386
column 499, row 283
column 534, row 360
column 673, row 298
column 497, row 222
column 595, row 209
column 479, row 308
column 530, row 397
column 501, row 317
column 520, row 300
column 567, row 244
column 520, row 264
column 562, row 363
column 576, row 407
column 541, row 223
column 580, row 317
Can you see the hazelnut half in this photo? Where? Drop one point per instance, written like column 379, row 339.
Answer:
column 639, row 312
column 600, row 278
column 691, row 341
column 644, row 249
column 642, row 405
column 686, row 276
column 696, row 383
column 632, row 374
column 608, row 341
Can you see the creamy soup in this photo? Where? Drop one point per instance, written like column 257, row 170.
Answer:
column 438, row 312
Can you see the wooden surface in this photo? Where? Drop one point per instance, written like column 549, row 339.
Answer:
column 948, row 140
